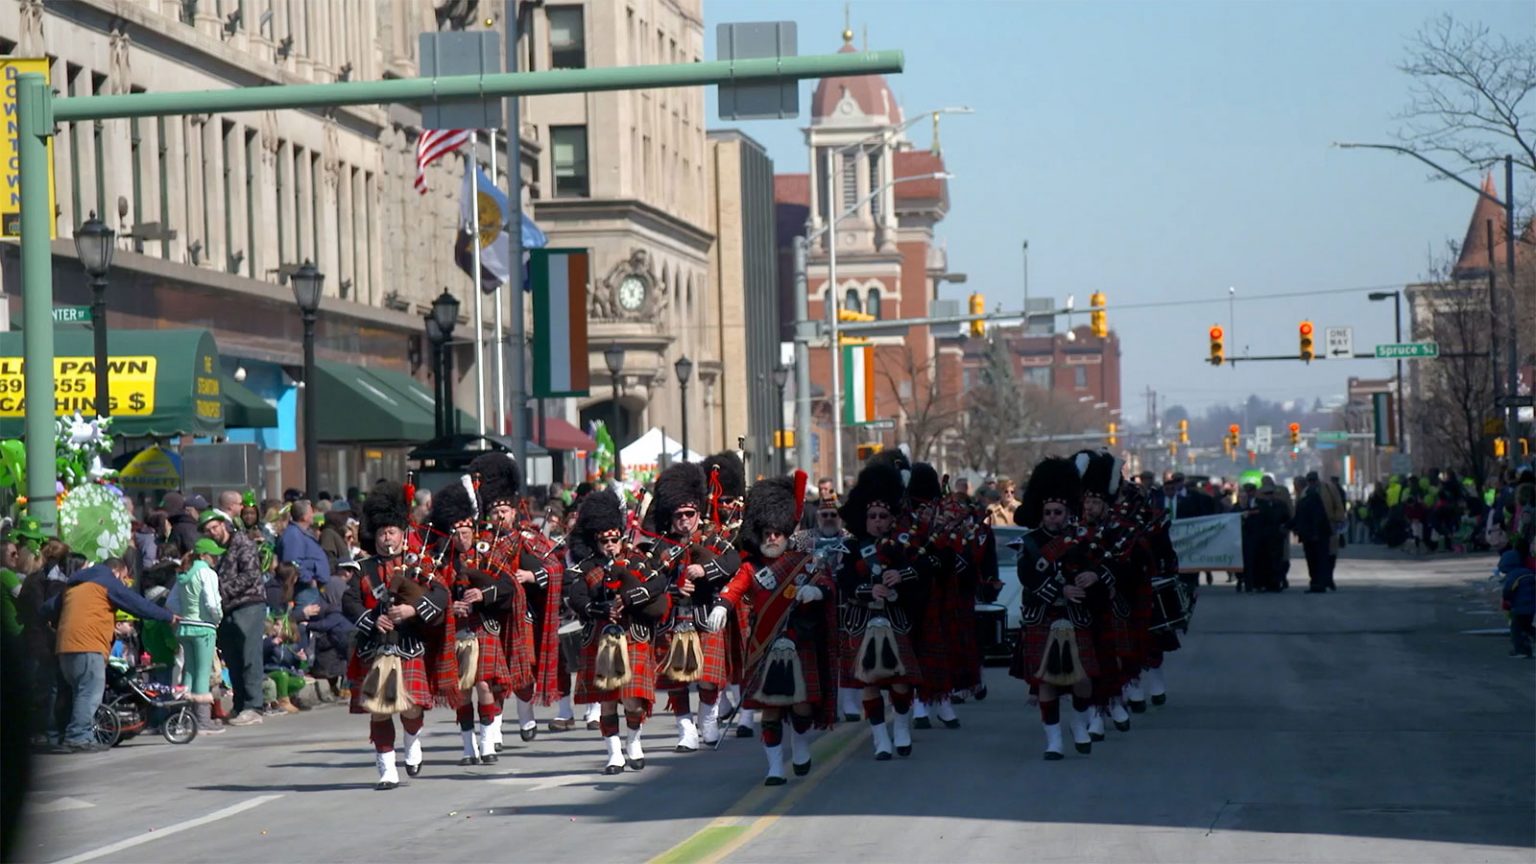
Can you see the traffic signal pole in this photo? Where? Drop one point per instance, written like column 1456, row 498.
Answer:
column 37, row 111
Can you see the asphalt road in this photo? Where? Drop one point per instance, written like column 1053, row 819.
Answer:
column 1375, row 724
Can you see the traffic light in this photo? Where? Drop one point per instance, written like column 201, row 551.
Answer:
column 1295, row 434
column 1235, row 432
column 865, row 451
column 1183, row 431
column 1097, row 318
column 978, row 307
column 1253, row 457
column 1173, row 449
column 1112, row 438
column 1499, row 449
column 850, row 315
column 1218, row 349
column 1304, row 333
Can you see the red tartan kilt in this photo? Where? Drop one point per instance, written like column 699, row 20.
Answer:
column 517, row 652
column 413, row 677
column 1031, row 651
column 493, row 663
column 714, row 672
column 642, row 681
column 965, row 668
column 904, row 647
column 810, row 667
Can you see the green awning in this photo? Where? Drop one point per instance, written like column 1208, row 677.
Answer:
column 417, row 392
column 355, row 405
column 243, row 409
column 163, row 383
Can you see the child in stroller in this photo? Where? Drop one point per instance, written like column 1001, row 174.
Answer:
column 133, row 704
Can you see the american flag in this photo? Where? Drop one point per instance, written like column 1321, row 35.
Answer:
column 432, row 146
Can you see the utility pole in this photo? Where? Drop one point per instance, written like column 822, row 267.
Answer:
column 517, row 333
column 805, row 331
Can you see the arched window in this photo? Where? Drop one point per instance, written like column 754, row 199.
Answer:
column 872, row 306
column 851, row 301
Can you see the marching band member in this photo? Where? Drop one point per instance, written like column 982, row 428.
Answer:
column 1056, row 652
column 882, row 598
column 945, row 638
column 702, row 568
column 403, row 659
column 1160, row 563
column 727, row 482
column 1115, row 645
column 483, row 593
column 829, row 539
column 620, row 599
column 537, row 568
column 791, row 647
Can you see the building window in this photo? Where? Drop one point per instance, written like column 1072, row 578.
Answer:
column 851, row 301
column 136, row 164
column 873, row 305
column 567, row 38
column 824, row 186
column 1080, row 377
column 162, row 172
column 1039, row 376
column 875, row 181
column 570, row 152
column 850, row 180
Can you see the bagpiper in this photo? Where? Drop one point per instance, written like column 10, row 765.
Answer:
column 402, row 660
column 483, row 594
column 702, row 568
column 1058, row 569
column 881, row 596
column 1116, row 647
column 945, row 638
column 726, row 479
column 792, row 644
column 538, row 569
column 827, row 536
column 620, row 598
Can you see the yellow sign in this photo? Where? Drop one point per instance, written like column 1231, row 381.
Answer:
column 130, row 385
column 153, row 470
column 10, row 157
column 209, row 402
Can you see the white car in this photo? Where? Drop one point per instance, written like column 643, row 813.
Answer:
column 1009, row 596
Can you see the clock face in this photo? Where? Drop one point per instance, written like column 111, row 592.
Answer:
column 632, row 293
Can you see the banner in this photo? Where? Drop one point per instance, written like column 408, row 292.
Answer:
column 559, row 322
column 858, row 384
column 1208, row 543
column 10, row 158
column 130, row 386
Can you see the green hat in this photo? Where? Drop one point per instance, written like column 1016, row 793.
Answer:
column 206, row 546
column 213, row 515
column 29, row 531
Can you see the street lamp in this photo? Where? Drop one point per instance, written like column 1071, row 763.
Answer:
column 830, row 301
column 780, row 380
column 684, row 369
column 613, row 355
column 440, row 323
column 93, row 245
column 307, row 282
column 1397, row 323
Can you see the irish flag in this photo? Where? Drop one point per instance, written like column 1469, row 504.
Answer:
column 559, row 280
column 858, row 384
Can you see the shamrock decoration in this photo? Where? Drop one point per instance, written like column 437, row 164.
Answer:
column 94, row 521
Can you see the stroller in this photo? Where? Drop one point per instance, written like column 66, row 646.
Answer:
column 133, row 704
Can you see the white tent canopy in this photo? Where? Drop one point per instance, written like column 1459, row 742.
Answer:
column 648, row 449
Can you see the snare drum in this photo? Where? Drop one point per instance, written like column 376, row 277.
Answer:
column 1170, row 604
column 570, row 642
column 991, row 628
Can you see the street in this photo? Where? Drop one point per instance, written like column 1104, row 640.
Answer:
column 1359, row 726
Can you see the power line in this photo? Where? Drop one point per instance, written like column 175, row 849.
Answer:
column 1242, row 298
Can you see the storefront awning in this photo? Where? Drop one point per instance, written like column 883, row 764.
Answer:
column 243, row 409
column 355, row 405
column 162, row 383
column 557, row 433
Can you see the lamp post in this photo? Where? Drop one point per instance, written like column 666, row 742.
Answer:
column 684, row 369
column 613, row 356
column 780, row 379
column 1397, row 324
column 93, row 245
column 444, row 317
column 435, row 339
column 307, row 283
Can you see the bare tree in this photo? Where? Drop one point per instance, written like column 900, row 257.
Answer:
column 928, row 411
column 1008, row 423
column 1456, row 389
column 1470, row 94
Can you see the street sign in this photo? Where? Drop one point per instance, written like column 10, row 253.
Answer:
column 877, row 424
column 72, row 315
column 1263, row 438
column 765, row 100
column 1332, row 435
column 458, row 52
column 1524, row 401
column 1408, row 350
column 1339, row 341
column 10, row 158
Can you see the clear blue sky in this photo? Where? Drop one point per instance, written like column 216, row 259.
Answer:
column 1166, row 151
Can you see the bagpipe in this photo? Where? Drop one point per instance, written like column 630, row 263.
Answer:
column 684, row 661
column 382, row 690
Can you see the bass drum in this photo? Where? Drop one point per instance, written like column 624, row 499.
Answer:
column 1170, row 604
column 570, row 642
column 992, row 630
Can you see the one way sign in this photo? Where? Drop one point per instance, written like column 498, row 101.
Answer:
column 1339, row 342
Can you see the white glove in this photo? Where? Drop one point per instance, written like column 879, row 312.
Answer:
column 717, row 618
column 808, row 594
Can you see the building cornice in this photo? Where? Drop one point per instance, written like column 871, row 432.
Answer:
column 646, row 216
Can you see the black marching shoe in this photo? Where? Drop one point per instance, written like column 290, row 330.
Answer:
column 775, row 781
column 1084, row 749
column 529, row 734
column 1053, row 756
column 488, row 759
column 922, row 723
column 1160, row 699
column 1095, row 737
column 1122, row 726
column 950, row 724
column 412, row 770
column 745, row 732
column 468, row 760
column 882, row 757
column 1137, row 706
column 979, row 693
column 801, row 770
column 904, row 752
column 611, row 770
column 385, row 786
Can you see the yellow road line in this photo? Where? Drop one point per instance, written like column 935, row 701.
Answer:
column 746, row 819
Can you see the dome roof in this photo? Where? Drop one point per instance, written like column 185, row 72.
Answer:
column 869, row 93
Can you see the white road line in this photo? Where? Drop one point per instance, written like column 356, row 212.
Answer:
column 168, row 830
column 59, row 805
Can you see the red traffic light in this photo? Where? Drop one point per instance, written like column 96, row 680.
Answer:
column 1216, row 334
column 1295, row 428
column 1306, row 328
column 1233, row 430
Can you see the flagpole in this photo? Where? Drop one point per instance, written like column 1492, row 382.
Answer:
column 501, row 381
column 473, row 166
